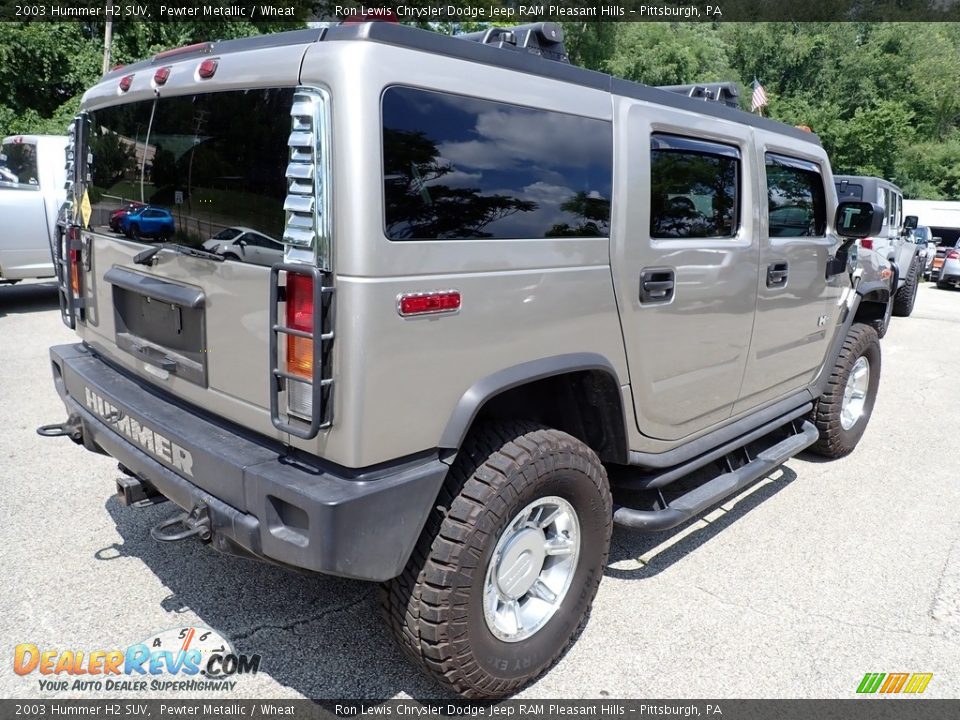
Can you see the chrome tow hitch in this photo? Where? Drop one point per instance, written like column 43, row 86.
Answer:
column 193, row 523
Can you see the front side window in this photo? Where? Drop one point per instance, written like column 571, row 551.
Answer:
column 694, row 188
column 456, row 167
column 796, row 202
column 214, row 161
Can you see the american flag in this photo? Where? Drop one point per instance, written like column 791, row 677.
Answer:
column 759, row 99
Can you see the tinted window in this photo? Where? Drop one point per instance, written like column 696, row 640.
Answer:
column 795, row 198
column 693, row 188
column 458, row 167
column 849, row 191
column 225, row 152
column 18, row 163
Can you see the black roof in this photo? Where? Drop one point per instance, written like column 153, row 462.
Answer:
column 519, row 60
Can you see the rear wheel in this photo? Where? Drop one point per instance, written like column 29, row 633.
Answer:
column 135, row 232
column 906, row 296
column 507, row 567
column 841, row 414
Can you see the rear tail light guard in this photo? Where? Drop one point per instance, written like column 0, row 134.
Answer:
column 301, row 367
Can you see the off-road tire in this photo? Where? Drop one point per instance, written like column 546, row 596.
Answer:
column 906, row 296
column 435, row 607
column 883, row 324
column 835, row 441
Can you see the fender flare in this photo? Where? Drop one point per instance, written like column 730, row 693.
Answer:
column 471, row 402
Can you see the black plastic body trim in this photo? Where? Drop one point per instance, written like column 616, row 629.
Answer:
column 154, row 287
column 721, row 436
column 269, row 504
column 483, row 390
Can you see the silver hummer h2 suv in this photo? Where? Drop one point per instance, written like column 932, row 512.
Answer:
column 513, row 294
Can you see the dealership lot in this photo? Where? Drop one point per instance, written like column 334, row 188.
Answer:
column 820, row 573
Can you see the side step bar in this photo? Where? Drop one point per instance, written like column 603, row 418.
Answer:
column 713, row 491
column 658, row 479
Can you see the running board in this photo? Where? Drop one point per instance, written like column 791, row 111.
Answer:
column 713, row 491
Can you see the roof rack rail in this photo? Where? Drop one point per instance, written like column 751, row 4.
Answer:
column 721, row 92
column 543, row 38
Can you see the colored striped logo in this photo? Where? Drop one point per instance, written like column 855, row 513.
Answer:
column 887, row 684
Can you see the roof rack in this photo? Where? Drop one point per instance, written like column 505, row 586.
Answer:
column 544, row 39
column 721, row 92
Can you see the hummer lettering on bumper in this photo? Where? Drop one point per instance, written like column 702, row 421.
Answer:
column 151, row 441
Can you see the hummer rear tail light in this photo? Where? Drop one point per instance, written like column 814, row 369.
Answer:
column 73, row 238
column 300, row 319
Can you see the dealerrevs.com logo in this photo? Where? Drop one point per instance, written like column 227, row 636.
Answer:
column 188, row 659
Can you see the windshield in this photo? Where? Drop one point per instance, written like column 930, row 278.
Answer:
column 203, row 165
column 921, row 234
column 18, row 163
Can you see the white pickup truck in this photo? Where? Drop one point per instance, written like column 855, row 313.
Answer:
column 32, row 178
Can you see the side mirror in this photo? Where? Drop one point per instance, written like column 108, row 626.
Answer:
column 911, row 221
column 937, row 240
column 856, row 219
column 242, row 243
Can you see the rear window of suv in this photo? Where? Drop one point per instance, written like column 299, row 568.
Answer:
column 215, row 161
column 457, row 167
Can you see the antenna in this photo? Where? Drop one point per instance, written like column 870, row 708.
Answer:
column 544, row 39
column 721, row 92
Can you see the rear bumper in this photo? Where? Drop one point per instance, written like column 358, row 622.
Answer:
column 950, row 272
column 359, row 524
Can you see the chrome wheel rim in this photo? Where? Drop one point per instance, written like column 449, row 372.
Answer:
column 855, row 393
column 531, row 568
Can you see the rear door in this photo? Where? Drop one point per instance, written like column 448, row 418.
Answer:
column 796, row 304
column 194, row 326
column 685, row 259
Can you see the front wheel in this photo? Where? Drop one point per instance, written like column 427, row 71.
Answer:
column 508, row 565
column 841, row 414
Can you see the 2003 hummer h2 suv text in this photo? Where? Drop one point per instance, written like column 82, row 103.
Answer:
column 498, row 301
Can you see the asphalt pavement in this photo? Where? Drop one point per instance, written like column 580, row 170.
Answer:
column 799, row 586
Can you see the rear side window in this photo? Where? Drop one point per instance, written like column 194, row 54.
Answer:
column 795, row 198
column 694, row 188
column 457, row 167
column 18, row 163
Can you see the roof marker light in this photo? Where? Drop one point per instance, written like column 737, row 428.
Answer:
column 207, row 68
column 126, row 82
column 161, row 76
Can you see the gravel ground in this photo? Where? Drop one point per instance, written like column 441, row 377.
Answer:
column 796, row 588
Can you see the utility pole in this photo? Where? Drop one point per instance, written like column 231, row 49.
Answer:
column 107, row 43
